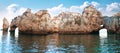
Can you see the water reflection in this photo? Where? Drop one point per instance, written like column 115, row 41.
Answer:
column 0, row 41
column 110, row 45
column 103, row 45
column 16, row 34
column 55, row 43
column 52, row 42
column 8, row 43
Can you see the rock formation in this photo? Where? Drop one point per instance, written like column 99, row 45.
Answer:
column 117, row 22
column 32, row 23
column 65, row 23
column 117, row 14
column 112, row 24
column 5, row 24
column 74, row 23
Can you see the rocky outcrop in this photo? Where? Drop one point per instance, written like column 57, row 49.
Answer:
column 65, row 23
column 32, row 23
column 74, row 23
column 112, row 24
column 5, row 24
column 117, row 22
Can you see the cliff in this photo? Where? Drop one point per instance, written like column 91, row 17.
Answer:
column 65, row 23
column 112, row 24
column 74, row 23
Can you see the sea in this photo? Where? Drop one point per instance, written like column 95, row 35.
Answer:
column 56, row 43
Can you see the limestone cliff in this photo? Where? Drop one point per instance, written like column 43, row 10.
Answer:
column 65, row 23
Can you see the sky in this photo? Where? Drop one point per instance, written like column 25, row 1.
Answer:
column 13, row 8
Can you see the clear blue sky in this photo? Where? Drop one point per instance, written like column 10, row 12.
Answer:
column 43, row 4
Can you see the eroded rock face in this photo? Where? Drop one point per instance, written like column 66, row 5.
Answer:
column 74, row 23
column 112, row 24
column 91, row 18
column 35, row 23
column 65, row 23
column 118, row 22
column 5, row 24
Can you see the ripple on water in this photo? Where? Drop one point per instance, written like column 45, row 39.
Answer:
column 56, row 43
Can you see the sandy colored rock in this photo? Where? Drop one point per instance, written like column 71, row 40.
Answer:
column 65, row 23
column 5, row 24
column 30, row 23
column 74, row 23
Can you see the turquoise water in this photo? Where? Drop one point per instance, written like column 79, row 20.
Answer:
column 55, row 43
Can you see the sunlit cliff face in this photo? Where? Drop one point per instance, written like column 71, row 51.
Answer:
column 41, row 21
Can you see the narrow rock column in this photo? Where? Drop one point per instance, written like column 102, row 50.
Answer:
column 5, row 24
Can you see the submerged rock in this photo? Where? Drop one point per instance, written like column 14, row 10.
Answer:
column 5, row 24
column 65, row 23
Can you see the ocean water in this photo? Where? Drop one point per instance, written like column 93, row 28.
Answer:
column 55, row 43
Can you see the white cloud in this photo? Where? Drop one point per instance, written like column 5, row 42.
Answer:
column 10, row 12
column 84, row 5
column 12, row 8
column 108, row 9
column 113, row 7
column 60, row 8
column 96, row 4
column 56, row 10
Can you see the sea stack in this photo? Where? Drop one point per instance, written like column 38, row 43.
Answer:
column 5, row 24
